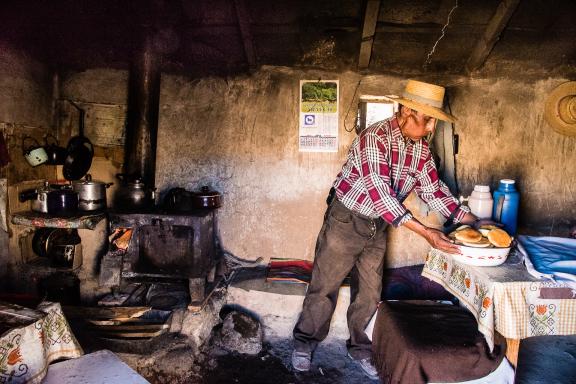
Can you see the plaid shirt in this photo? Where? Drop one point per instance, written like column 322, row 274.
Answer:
column 383, row 168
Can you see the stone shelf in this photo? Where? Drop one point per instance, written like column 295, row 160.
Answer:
column 37, row 219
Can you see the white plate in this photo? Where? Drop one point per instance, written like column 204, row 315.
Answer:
column 482, row 257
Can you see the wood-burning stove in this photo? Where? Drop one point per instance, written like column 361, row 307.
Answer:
column 168, row 247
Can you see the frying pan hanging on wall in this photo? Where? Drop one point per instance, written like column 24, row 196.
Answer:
column 80, row 152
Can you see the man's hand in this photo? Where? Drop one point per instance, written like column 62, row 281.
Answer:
column 476, row 223
column 480, row 222
column 433, row 236
column 440, row 241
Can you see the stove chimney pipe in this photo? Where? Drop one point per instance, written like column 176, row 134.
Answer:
column 142, row 114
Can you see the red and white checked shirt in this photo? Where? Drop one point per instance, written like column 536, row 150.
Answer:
column 383, row 168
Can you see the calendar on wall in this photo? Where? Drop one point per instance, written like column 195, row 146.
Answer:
column 318, row 116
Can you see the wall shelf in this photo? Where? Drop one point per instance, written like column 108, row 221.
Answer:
column 36, row 219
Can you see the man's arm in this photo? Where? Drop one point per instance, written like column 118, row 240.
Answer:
column 437, row 195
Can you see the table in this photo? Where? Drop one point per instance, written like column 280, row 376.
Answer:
column 31, row 339
column 506, row 298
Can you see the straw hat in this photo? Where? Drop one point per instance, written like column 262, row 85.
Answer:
column 426, row 98
column 560, row 109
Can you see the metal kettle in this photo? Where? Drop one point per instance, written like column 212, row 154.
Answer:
column 134, row 195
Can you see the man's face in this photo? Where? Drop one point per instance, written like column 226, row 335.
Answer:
column 418, row 125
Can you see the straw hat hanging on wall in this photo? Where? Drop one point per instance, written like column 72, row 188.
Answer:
column 560, row 109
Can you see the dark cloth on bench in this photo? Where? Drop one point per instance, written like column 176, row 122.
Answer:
column 423, row 341
column 547, row 359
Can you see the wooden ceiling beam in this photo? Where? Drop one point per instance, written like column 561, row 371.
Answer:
column 491, row 35
column 370, row 20
column 246, row 32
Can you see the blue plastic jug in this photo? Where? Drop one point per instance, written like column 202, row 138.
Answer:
column 506, row 201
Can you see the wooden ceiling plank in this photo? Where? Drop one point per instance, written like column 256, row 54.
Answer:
column 491, row 35
column 370, row 20
column 246, row 32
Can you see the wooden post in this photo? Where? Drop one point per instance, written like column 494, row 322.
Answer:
column 370, row 20
column 491, row 35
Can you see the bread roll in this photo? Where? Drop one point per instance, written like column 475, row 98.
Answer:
column 483, row 243
column 468, row 235
column 499, row 238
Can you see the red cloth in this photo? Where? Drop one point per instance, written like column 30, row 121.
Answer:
column 383, row 168
column 4, row 156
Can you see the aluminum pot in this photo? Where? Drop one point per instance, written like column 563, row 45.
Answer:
column 39, row 197
column 91, row 193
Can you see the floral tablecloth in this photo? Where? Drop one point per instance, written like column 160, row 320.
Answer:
column 31, row 339
column 506, row 298
column 44, row 220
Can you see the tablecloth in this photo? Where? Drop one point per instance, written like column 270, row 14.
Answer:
column 31, row 339
column 506, row 298
column 37, row 219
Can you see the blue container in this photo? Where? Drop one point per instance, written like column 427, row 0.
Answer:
column 506, row 201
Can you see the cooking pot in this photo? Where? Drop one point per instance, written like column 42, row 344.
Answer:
column 206, row 198
column 56, row 154
column 40, row 241
column 133, row 195
column 34, row 154
column 39, row 197
column 91, row 193
column 62, row 202
column 178, row 200
column 61, row 247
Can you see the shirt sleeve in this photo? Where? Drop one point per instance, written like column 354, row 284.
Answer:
column 375, row 173
column 436, row 194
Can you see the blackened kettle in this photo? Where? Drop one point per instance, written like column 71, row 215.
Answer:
column 133, row 196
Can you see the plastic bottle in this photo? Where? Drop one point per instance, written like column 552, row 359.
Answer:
column 506, row 201
column 480, row 201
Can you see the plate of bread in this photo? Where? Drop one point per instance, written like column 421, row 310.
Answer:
column 487, row 246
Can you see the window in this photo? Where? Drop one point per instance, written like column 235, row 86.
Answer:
column 372, row 109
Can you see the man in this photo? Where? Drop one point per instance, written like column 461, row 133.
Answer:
column 385, row 163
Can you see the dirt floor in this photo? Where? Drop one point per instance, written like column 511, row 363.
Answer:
column 176, row 362
column 272, row 365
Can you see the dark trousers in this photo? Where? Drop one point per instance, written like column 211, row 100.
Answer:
column 348, row 242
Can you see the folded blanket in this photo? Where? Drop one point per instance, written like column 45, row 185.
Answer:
column 549, row 257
